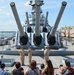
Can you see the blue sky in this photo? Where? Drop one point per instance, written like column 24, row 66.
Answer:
column 7, row 21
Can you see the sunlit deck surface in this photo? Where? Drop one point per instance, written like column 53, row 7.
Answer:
column 56, row 60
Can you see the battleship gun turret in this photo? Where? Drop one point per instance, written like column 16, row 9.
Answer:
column 37, row 32
column 37, row 37
column 23, row 35
column 51, row 35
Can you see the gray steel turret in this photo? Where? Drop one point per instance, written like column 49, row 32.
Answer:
column 37, row 32
column 23, row 35
column 37, row 38
column 51, row 35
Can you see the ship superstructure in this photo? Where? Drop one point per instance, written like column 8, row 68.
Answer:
column 37, row 32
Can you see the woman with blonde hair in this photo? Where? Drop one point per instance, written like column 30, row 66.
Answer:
column 48, row 70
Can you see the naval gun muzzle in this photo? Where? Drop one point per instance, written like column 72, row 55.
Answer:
column 23, row 35
column 51, row 36
column 37, row 38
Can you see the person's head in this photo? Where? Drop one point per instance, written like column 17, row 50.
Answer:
column 33, row 64
column 42, row 66
column 67, row 63
column 22, row 47
column 17, row 65
column 2, row 65
column 50, row 67
column 46, row 47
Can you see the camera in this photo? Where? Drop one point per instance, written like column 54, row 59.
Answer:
column 61, row 65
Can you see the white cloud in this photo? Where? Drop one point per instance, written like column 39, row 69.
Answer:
column 1, row 0
column 8, row 26
column 51, row 4
column 8, row 14
column 26, row 4
column 0, row 9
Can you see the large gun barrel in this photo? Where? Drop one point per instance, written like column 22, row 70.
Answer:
column 51, row 36
column 23, row 36
column 29, row 29
column 58, row 18
column 12, row 4
column 46, row 19
column 37, row 28
column 44, row 27
column 37, row 37
column 27, row 19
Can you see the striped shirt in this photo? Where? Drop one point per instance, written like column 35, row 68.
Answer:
column 3, row 72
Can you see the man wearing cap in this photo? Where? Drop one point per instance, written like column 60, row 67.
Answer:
column 22, row 55
column 46, row 54
column 66, row 69
column 29, row 54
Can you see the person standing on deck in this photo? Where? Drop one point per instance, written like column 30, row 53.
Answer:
column 29, row 54
column 22, row 55
column 46, row 54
